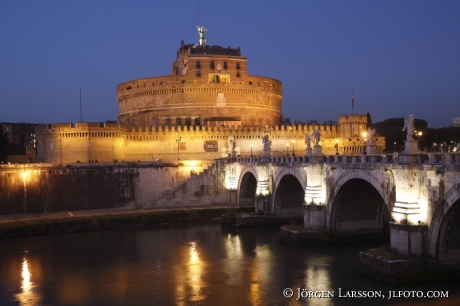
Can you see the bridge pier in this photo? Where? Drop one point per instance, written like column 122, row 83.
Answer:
column 263, row 204
column 408, row 239
column 314, row 216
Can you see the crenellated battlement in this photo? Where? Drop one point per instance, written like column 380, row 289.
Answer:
column 174, row 85
column 208, row 85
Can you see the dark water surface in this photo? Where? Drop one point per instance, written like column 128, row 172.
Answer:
column 197, row 265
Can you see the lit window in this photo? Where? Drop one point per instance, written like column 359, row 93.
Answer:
column 219, row 78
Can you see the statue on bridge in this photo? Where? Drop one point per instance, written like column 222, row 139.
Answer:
column 308, row 143
column 410, row 145
column 267, row 143
column 370, row 134
column 317, row 150
column 317, row 136
column 232, row 145
column 409, row 125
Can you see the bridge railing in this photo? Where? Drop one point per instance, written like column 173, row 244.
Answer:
column 392, row 158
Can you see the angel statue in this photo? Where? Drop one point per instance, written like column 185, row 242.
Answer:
column 308, row 140
column 267, row 143
column 201, row 31
column 317, row 136
column 370, row 134
column 409, row 125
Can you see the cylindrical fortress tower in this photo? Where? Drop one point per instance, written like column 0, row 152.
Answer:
column 208, row 85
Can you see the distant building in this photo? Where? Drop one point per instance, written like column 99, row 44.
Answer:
column 20, row 134
column 456, row 122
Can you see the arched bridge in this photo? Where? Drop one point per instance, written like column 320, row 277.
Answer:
column 416, row 196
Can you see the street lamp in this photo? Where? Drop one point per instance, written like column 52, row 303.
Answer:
column 364, row 134
column 336, row 147
column 178, row 139
column 419, row 136
column 287, row 149
column 293, row 143
column 251, row 150
column 24, row 176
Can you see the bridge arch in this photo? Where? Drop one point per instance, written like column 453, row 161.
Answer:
column 445, row 228
column 289, row 196
column 247, row 186
column 358, row 200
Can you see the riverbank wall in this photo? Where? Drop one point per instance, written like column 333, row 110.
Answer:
column 44, row 188
column 300, row 237
column 395, row 272
column 105, row 220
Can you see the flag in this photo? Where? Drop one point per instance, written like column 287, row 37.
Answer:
column 352, row 100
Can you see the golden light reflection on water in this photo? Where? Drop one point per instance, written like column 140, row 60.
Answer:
column 195, row 273
column 317, row 278
column 254, row 292
column 26, row 284
column 234, row 254
column 28, row 296
column 190, row 282
column 260, row 274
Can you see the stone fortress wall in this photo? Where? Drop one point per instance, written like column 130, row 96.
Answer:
column 208, row 85
column 107, row 142
column 252, row 101
column 208, row 100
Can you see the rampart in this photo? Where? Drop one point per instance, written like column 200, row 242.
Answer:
column 105, row 142
column 172, row 100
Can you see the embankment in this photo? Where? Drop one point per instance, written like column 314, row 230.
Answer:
column 50, row 226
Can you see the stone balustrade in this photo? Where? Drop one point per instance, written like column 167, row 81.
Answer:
column 424, row 159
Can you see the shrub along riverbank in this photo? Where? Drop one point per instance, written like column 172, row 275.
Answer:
column 24, row 228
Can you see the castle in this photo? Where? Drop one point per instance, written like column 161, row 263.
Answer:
column 207, row 101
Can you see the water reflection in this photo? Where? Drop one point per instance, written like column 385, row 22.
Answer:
column 190, row 276
column 195, row 273
column 28, row 296
column 232, row 263
column 200, row 265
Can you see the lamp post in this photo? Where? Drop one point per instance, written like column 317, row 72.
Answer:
column 293, row 143
column 336, row 147
column 287, row 149
column 419, row 134
column 178, row 139
column 24, row 176
column 364, row 134
column 251, row 150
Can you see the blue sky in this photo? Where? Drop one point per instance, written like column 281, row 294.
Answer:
column 399, row 57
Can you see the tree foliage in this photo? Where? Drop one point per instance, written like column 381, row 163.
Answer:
column 3, row 147
column 430, row 140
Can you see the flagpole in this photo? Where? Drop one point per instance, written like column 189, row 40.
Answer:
column 352, row 102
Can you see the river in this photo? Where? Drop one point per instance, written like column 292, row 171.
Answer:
column 193, row 265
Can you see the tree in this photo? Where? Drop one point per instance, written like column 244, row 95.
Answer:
column 3, row 146
column 391, row 129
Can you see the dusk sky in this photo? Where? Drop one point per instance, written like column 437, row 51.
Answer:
column 398, row 57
